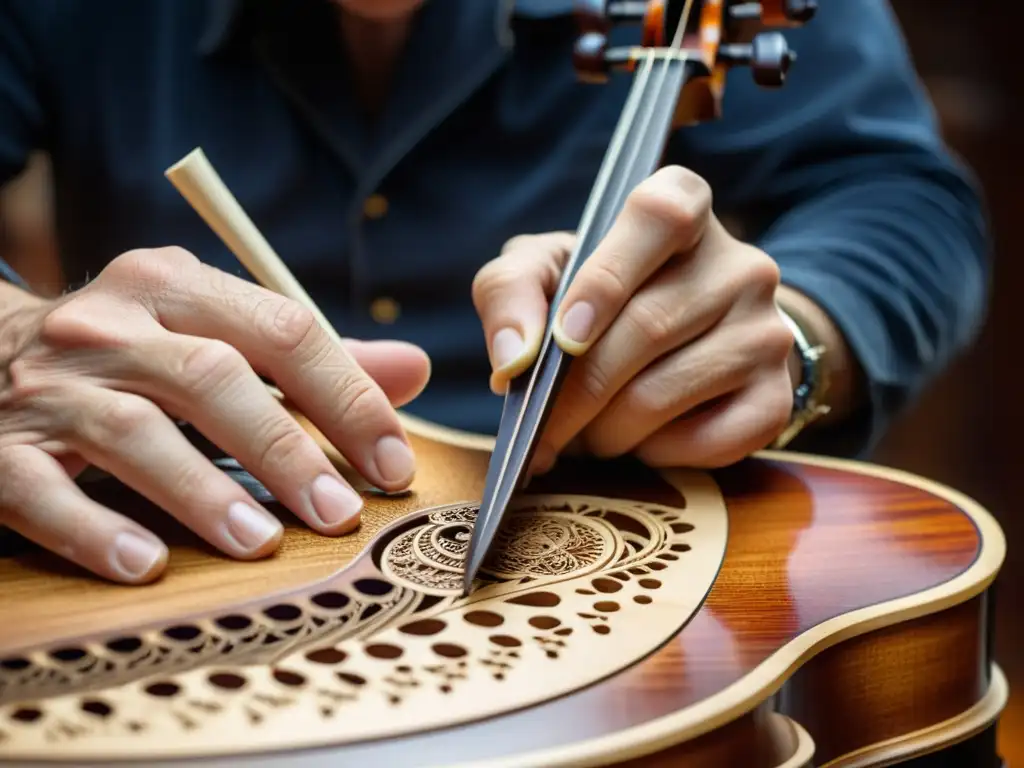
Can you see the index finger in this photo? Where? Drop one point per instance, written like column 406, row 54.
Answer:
column 664, row 215
column 283, row 340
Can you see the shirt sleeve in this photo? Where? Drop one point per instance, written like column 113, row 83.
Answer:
column 843, row 178
column 22, row 119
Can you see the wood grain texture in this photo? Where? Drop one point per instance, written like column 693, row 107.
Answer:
column 817, row 555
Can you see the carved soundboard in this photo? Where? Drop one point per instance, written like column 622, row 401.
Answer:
column 581, row 586
column 626, row 611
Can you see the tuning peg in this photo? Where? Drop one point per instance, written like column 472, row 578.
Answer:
column 800, row 11
column 796, row 11
column 768, row 56
column 602, row 15
column 745, row 12
column 595, row 61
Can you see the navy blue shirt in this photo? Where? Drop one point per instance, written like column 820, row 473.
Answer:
column 840, row 176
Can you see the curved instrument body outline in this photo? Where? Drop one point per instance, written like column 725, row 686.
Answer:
column 953, row 550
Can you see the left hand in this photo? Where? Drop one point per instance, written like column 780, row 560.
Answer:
column 682, row 356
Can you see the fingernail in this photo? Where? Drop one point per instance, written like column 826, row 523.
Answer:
column 333, row 501
column 507, row 346
column 249, row 527
column 394, row 460
column 134, row 554
column 578, row 322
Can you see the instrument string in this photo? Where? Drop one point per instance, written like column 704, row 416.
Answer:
column 632, row 137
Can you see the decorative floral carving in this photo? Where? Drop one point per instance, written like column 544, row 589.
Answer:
column 570, row 572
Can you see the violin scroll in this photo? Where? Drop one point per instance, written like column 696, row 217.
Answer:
column 711, row 35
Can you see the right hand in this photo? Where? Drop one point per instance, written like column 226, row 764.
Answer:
column 97, row 377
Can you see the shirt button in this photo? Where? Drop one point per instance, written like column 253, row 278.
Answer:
column 375, row 206
column 384, row 310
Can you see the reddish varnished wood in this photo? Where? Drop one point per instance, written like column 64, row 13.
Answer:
column 805, row 544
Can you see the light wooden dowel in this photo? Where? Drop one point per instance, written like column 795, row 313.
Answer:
column 197, row 181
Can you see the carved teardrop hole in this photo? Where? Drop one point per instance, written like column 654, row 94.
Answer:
column 484, row 618
column 606, row 606
column 327, row 656
column 680, row 547
column 183, row 632
column 448, row 650
column 163, row 689
column 234, row 622
column 544, row 622
column 26, row 714
column 668, row 556
column 124, row 645
column 606, row 586
column 649, row 583
column 288, row 678
column 601, row 629
column 584, row 592
column 351, row 679
column 68, row 655
column 330, row 600
column 283, row 612
column 681, row 527
column 620, row 575
column 97, row 708
column 564, row 631
column 638, row 571
column 656, row 566
column 15, row 663
column 505, row 641
column 642, row 599
column 423, row 627
column 536, row 600
column 373, row 587
column 227, row 681
column 383, row 651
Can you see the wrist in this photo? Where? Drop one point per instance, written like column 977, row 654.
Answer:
column 839, row 367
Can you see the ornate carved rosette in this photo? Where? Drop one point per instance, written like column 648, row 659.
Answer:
column 583, row 586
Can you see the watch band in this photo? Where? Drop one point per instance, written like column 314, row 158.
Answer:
column 808, row 396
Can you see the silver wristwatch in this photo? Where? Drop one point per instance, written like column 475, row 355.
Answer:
column 809, row 394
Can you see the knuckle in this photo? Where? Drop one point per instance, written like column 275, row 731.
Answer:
column 120, row 419
column 285, row 325
column 211, row 365
column 762, row 275
column 360, row 401
column 651, row 397
column 655, row 322
column 770, row 341
column 150, row 268
column 674, row 196
column 282, row 443
column 593, row 382
column 519, row 242
column 492, row 278
column 604, row 279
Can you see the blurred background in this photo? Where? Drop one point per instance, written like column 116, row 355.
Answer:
column 967, row 56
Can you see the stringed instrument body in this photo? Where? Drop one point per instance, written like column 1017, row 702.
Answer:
column 787, row 611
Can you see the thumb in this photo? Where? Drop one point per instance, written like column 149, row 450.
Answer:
column 512, row 294
column 401, row 369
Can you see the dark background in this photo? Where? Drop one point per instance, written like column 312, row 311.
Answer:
column 966, row 430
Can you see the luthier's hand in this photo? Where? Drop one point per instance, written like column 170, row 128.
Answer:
column 682, row 356
column 96, row 376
